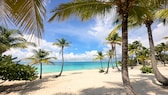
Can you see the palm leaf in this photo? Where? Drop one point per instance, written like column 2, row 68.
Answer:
column 28, row 15
column 84, row 9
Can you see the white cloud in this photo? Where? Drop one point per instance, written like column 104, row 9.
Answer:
column 103, row 26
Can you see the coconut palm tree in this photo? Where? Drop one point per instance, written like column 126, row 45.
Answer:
column 61, row 43
column 12, row 39
column 100, row 56
column 134, row 48
column 86, row 9
column 114, row 39
column 148, row 19
column 28, row 15
column 110, row 54
column 143, row 55
column 40, row 56
column 161, row 52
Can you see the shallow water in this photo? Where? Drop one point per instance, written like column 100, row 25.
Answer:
column 70, row 66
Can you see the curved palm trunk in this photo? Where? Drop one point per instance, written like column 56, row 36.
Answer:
column 116, row 59
column 40, row 70
column 62, row 67
column 162, row 79
column 136, row 58
column 101, row 64
column 125, row 76
column 112, row 64
column 108, row 65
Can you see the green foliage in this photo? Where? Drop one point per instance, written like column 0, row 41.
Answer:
column 119, row 63
column 146, row 69
column 132, row 62
column 101, row 70
column 9, row 70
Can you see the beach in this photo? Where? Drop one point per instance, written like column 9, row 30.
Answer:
column 87, row 82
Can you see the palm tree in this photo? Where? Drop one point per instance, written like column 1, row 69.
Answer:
column 100, row 56
column 143, row 55
column 28, row 15
column 148, row 19
column 114, row 39
column 134, row 48
column 110, row 54
column 86, row 9
column 61, row 43
column 12, row 39
column 40, row 56
column 161, row 52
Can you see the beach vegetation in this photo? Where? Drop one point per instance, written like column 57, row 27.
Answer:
column 40, row 56
column 101, row 70
column 133, row 49
column 100, row 56
column 62, row 43
column 12, row 39
column 10, row 70
column 146, row 69
column 161, row 50
column 148, row 19
column 114, row 39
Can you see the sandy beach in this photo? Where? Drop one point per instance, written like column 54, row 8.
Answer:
column 87, row 82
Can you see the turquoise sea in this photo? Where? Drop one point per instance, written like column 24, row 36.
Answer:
column 70, row 66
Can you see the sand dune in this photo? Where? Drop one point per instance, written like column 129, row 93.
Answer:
column 87, row 82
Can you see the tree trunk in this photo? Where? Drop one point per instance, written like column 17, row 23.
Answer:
column 116, row 59
column 101, row 64
column 40, row 70
column 108, row 65
column 125, row 77
column 162, row 79
column 62, row 67
column 112, row 50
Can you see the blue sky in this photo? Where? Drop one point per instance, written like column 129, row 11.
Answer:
column 85, row 37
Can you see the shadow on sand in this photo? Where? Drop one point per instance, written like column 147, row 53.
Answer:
column 24, row 87
column 143, row 84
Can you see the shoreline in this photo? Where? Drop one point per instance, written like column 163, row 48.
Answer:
column 87, row 82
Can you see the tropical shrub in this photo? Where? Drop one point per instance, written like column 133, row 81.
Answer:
column 146, row 69
column 9, row 70
column 101, row 70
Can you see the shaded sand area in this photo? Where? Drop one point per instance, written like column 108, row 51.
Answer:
column 87, row 82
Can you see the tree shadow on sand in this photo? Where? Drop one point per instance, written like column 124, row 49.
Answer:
column 103, row 91
column 24, row 87
column 143, row 85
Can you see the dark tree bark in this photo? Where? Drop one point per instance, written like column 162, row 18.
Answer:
column 162, row 79
column 40, row 70
column 125, row 77
column 101, row 64
column 108, row 65
column 116, row 59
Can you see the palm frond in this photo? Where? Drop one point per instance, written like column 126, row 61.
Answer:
column 84, row 9
column 5, row 13
column 28, row 15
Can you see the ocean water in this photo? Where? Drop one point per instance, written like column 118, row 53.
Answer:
column 71, row 66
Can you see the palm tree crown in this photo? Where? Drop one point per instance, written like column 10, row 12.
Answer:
column 40, row 56
column 12, row 39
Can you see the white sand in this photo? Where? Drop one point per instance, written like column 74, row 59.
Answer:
column 87, row 82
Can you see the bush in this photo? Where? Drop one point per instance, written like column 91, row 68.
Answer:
column 101, row 70
column 9, row 70
column 146, row 69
